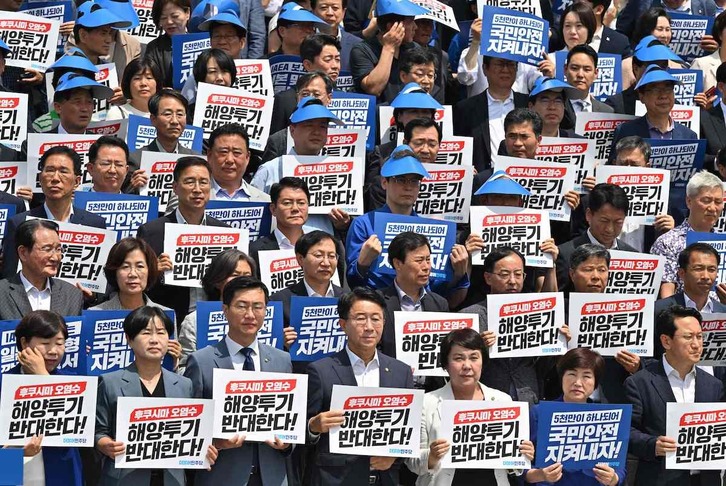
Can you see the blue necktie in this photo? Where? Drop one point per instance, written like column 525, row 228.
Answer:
column 249, row 364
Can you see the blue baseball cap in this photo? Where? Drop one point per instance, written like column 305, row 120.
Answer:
column 501, row 183
column 414, row 96
column 293, row 12
column 551, row 84
column 75, row 60
column 311, row 108
column 92, row 15
column 404, row 8
column 207, row 9
column 122, row 9
column 4, row 48
column 656, row 74
column 226, row 17
column 650, row 49
column 71, row 81
column 406, row 164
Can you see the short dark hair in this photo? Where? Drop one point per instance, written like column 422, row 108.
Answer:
column 404, row 243
column 467, row 338
column 159, row 5
column 721, row 156
column 718, row 26
column 288, row 183
column 118, row 254
column 25, row 232
column 229, row 129
column 140, row 317
column 190, row 161
column 605, row 4
column 384, row 20
column 583, row 49
column 225, row 62
column 62, row 150
column 721, row 73
column 106, row 141
column 647, row 22
column 41, row 324
column 166, row 93
column 611, row 194
column 582, row 358
column 346, row 301
column 305, row 79
column 414, row 56
column 633, row 142
column 240, row 284
column 422, row 123
column 309, row 240
column 137, row 66
column 685, row 256
column 583, row 11
column 665, row 321
column 584, row 252
column 221, row 267
column 524, row 115
column 313, row 45
column 499, row 253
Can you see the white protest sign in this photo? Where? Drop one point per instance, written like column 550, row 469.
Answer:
column 438, row 12
column 389, row 132
column 146, row 31
column 484, row 435
column 192, row 247
column 85, row 252
column 160, row 170
column 31, row 39
column 260, row 405
column 164, row 433
column 608, row 323
column 60, row 408
column 279, row 269
column 342, row 142
column 418, row 336
column 574, row 151
column 107, row 76
column 253, row 76
column 456, row 151
column 647, row 189
column 39, row 143
column 112, row 128
column 13, row 119
column 522, row 229
column 532, row 7
column 634, row 273
column 526, row 324
column 446, row 194
column 12, row 176
column 714, row 340
column 600, row 127
column 689, row 116
column 382, row 422
column 700, row 432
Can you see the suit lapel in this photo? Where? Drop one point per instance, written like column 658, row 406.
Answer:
column 662, row 385
column 266, row 362
column 680, row 299
column 386, row 377
column 130, row 383
column 343, row 368
column 703, row 392
column 171, row 384
column 222, row 358
column 19, row 297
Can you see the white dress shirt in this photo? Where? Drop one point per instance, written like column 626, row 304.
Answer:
column 238, row 359
column 596, row 39
column 580, row 106
column 683, row 389
column 312, row 293
column 365, row 375
column 53, row 218
column 282, row 241
column 594, row 241
column 498, row 109
column 245, row 192
column 39, row 299
column 407, row 303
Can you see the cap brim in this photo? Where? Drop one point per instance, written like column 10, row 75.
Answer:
column 123, row 10
column 98, row 90
column 502, row 185
column 415, row 100
column 222, row 18
column 301, row 16
column 403, row 166
column 314, row 112
column 404, row 9
column 74, row 62
column 657, row 53
column 649, row 78
column 101, row 18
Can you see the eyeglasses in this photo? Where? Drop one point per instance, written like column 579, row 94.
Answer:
column 191, row 183
column 406, row 181
column 315, row 94
column 660, row 91
column 225, row 37
column 506, row 275
column 106, row 164
column 422, row 74
column 62, row 171
column 49, row 250
column 551, row 101
column 361, row 320
column 322, row 256
column 243, row 308
column 171, row 114
column 503, row 65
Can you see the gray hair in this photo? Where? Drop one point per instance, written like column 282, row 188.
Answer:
column 583, row 252
column 633, row 142
column 700, row 181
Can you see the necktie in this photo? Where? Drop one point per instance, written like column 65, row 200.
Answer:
column 583, row 104
column 249, row 364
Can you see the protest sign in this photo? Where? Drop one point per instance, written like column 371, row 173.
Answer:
column 691, row 85
column 255, row 216
column 388, row 130
column 62, row 409
column 609, row 80
column 32, row 40
column 688, row 116
column 7, row 211
column 577, row 152
column 441, row 236
column 333, row 182
column 345, row 82
column 513, row 35
column 159, row 167
column 581, row 435
column 700, row 433
column 526, row 324
column 682, row 158
column 418, row 336
column 356, row 111
column 253, row 76
column 11, row 466
column 484, row 435
column 532, row 7
column 522, row 229
column 634, row 273
column 39, row 143
column 260, row 405
column 714, row 340
column 12, row 176
column 548, row 183
column 342, row 142
column 456, row 151
column 285, row 70
column 185, row 48
column 146, row 31
column 112, row 128
column 446, row 194
column 106, row 76
column 141, row 133
column 173, row 433
column 9, row 350
column 609, row 323
column 212, row 324
column 8, row 346
column 219, row 105
column 279, row 269
column 719, row 227
column 13, row 119
column 600, row 127
column 192, row 247
column 60, row 10
column 124, row 213
column 383, row 422
column 319, row 334
column 438, row 12
column 648, row 190
column 686, row 34
column 718, row 242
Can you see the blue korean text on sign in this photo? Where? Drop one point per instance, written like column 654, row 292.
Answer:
column 141, row 133
column 212, row 325
column 253, row 215
column 185, row 48
column 316, row 322
column 285, row 70
column 513, row 35
column 124, row 213
column 356, row 111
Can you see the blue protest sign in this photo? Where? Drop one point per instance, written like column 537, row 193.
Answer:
column 124, row 213
column 344, row 82
column 682, row 158
column 11, row 467
column 609, row 79
column 141, row 133
column 356, row 111
column 103, row 334
column 718, row 242
column 9, row 351
column 7, row 211
column 285, row 70
column 315, row 320
column 513, row 35
column 441, row 236
column 581, row 435
column 253, row 215
column 686, row 34
column 212, row 325
column 692, row 84
column 61, row 10
column 185, row 48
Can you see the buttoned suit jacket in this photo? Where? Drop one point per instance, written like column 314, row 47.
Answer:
column 65, row 299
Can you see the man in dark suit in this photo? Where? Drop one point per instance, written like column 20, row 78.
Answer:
column 192, row 183
column 19, row 204
column 673, row 378
column 713, row 125
column 362, row 317
column 332, row 12
column 633, row 10
column 9, row 155
column 34, row 287
column 60, row 175
column 581, row 72
column 605, row 39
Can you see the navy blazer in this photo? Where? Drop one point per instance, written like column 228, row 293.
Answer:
column 713, row 129
column 613, row 42
column 624, row 101
column 6, row 198
column 327, row 469
column 634, row 9
column 639, row 127
column 648, row 391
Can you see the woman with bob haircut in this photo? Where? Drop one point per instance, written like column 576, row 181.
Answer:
column 140, row 81
column 580, row 371
column 147, row 331
column 463, row 355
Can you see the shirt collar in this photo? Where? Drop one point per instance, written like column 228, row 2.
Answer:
column 708, row 308
column 594, row 241
column 234, row 347
column 282, row 240
column 243, row 188
column 653, row 127
column 29, row 286
column 50, row 215
column 403, row 295
column 312, row 293
column 163, row 150
column 598, row 33
column 509, row 99
column 355, row 359
column 669, row 370
column 180, row 219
